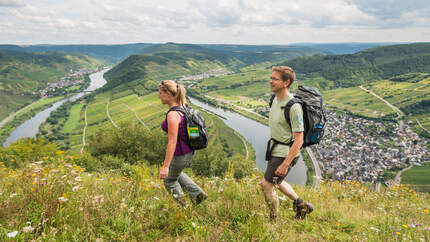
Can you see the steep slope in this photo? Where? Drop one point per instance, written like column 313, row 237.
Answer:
column 140, row 73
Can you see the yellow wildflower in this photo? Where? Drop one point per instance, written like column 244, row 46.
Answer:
column 426, row 211
column 405, row 226
column 59, row 152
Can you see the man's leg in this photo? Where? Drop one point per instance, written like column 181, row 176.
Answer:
column 286, row 189
column 271, row 198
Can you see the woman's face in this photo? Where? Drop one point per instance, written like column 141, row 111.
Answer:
column 164, row 96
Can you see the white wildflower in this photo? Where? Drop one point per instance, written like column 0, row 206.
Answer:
column 156, row 198
column 62, row 199
column 75, row 188
column 78, row 178
column 27, row 229
column 376, row 230
column 12, row 195
column 12, row 234
column 194, row 225
column 220, row 190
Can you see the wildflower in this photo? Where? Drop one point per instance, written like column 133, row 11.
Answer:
column 62, row 199
column 45, row 157
column 59, row 152
column 131, row 210
column 405, row 226
column 12, row 234
column 194, row 225
column 156, row 198
column 27, row 229
column 220, row 190
column 78, row 179
column 426, row 211
column 75, row 188
column 12, row 195
column 396, row 233
column 373, row 228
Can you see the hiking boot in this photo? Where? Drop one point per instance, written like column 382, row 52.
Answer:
column 200, row 198
column 302, row 208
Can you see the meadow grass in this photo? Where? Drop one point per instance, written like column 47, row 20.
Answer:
column 56, row 200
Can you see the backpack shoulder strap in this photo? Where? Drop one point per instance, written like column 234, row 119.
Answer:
column 271, row 100
column 287, row 109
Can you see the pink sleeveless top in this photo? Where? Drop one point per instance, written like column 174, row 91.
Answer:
column 181, row 145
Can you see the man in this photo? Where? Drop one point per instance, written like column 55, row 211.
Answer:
column 284, row 147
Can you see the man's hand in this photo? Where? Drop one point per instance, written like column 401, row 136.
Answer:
column 164, row 172
column 282, row 170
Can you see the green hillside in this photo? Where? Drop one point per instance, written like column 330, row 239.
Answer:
column 23, row 74
column 140, row 73
column 364, row 66
column 56, row 199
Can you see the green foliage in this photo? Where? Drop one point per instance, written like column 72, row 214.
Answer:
column 27, row 150
column 130, row 141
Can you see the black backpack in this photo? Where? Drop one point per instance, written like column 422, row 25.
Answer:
column 197, row 137
column 313, row 113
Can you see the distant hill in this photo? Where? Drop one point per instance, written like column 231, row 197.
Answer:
column 109, row 53
column 334, row 71
column 22, row 74
column 249, row 54
column 141, row 72
column 341, row 48
column 253, row 54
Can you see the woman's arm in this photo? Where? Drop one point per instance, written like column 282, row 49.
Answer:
column 173, row 120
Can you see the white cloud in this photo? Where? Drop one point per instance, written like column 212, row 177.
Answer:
column 208, row 21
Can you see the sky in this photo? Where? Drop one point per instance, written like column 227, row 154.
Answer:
column 213, row 22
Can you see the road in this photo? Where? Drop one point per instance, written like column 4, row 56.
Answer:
column 84, row 131
column 398, row 178
column 108, row 114
column 12, row 115
column 316, row 166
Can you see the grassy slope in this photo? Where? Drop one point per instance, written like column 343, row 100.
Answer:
column 62, row 202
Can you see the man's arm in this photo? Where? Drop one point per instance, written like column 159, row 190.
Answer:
column 294, row 150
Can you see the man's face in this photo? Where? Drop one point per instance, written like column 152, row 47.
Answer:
column 276, row 82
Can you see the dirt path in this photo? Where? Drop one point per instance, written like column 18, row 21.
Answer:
column 135, row 114
column 107, row 113
column 422, row 126
column 385, row 101
column 84, row 130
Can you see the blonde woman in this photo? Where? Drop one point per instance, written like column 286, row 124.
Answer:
column 178, row 153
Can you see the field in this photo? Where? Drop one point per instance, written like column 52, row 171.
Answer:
column 418, row 177
column 358, row 101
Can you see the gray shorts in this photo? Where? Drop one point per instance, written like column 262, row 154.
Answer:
column 272, row 165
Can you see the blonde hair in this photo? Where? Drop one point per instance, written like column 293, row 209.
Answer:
column 177, row 90
column 287, row 73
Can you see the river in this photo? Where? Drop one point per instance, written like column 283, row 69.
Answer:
column 30, row 127
column 257, row 135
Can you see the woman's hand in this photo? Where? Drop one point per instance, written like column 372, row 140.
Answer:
column 164, row 172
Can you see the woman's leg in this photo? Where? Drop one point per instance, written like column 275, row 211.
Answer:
column 189, row 185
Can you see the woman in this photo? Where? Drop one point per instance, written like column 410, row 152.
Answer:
column 178, row 153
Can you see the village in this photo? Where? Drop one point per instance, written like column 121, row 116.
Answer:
column 359, row 149
column 74, row 77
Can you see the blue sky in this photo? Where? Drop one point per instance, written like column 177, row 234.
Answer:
column 211, row 21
